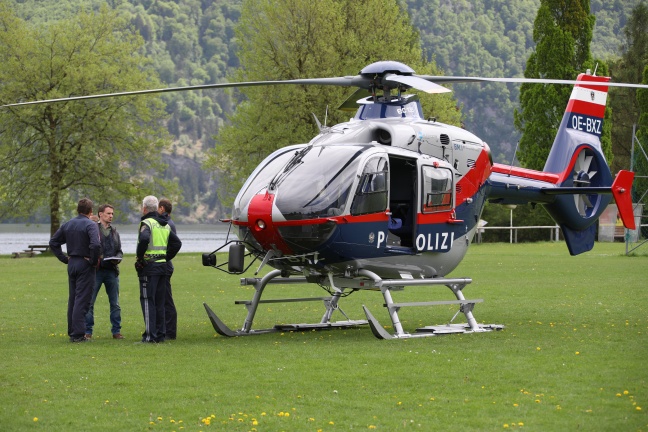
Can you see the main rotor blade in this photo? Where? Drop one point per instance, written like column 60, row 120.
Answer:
column 417, row 83
column 460, row 79
column 351, row 103
column 347, row 81
column 428, row 83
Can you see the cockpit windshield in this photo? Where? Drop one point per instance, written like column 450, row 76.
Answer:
column 319, row 184
column 259, row 181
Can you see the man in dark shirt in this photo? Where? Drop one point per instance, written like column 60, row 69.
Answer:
column 81, row 235
column 170, row 312
column 156, row 244
column 108, row 272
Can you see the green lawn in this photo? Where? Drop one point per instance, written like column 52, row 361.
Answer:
column 573, row 355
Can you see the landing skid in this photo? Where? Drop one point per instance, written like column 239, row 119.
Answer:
column 455, row 285
column 338, row 286
column 330, row 304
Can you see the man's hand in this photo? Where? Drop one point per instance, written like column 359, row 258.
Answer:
column 139, row 265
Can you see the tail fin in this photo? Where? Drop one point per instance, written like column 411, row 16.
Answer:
column 576, row 184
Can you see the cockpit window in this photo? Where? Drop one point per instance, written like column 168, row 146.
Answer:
column 371, row 195
column 437, row 189
column 318, row 184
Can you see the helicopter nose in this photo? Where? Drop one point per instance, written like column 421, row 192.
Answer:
column 261, row 224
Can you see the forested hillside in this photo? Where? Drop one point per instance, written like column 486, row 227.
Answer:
column 192, row 42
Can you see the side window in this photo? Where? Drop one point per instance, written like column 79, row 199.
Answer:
column 371, row 195
column 437, row 189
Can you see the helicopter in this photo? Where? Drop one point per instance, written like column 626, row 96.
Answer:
column 391, row 199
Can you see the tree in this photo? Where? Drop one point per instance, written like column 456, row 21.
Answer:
column 629, row 68
column 51, row 154
column 562, row 32
column 289, row 39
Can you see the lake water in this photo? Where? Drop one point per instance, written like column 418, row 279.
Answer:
column 195, row 238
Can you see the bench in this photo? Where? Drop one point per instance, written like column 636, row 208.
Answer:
column 32, row 250
column 38, row 248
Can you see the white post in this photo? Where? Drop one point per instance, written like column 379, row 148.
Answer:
column 512, row 207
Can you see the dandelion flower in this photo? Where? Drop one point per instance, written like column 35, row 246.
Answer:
column 618, row 394
column 577, row 353
column 625, row 392
column 159, row 418
column 36, row 418
column 515, row 405
column 506, row 426
column 520, row 424
column 638, row 408
column 372, row 427
column 331, row 423
column 255, row 423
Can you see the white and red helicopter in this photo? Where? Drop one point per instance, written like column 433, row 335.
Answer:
column 391, row 199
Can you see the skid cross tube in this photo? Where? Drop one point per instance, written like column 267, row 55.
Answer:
column 455, row 285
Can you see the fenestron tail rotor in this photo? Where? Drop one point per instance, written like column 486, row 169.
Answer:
column 583, row 176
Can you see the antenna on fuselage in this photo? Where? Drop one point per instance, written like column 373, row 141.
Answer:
column 513, row 159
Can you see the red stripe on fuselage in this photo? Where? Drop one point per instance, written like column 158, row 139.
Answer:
column 469, row 183
column 526, row 173
column 374, row 217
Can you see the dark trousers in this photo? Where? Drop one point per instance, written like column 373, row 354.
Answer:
column 81, row 280
column 152, row 297
column 110, row 279
column 170, row 313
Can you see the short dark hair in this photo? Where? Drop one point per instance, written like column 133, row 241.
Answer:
column 85, row 206
column 168, row 207
column 103, row 208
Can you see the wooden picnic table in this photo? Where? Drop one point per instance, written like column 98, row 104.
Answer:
column 39, row 248
column 32, row 250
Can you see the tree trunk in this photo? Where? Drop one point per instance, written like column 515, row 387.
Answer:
column 55, row 211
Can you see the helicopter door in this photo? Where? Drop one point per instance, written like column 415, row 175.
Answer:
column 371, row 194
column 402, row 201
column 436, row 204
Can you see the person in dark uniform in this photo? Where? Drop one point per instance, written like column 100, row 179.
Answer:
column 81, row 235
column 108, row 272
column 170, row 312
column 156, row 244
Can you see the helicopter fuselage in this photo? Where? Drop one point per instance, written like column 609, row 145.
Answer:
column 399, row 196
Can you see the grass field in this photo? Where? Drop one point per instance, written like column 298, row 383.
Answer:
column 573, row 355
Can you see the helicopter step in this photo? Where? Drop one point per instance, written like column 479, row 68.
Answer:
column 259, row 284
column 455, row 285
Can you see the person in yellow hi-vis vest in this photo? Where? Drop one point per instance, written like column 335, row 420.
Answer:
column 156, row 244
